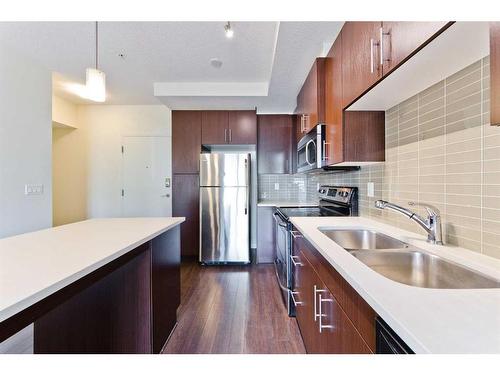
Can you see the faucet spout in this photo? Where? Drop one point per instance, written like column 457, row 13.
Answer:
column 432, row 225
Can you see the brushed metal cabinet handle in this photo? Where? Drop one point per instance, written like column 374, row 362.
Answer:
column 295, row 302
column 295, row 263
column 321, row 315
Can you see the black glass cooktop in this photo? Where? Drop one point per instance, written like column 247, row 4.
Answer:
column 288, row 212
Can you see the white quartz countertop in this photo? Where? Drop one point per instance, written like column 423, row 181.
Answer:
column 428, row 320
column 35, row 265
column 271, row 203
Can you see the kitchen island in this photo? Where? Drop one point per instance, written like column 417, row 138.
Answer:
column 96, row 286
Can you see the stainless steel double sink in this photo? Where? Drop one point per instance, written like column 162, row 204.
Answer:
column 406, row 264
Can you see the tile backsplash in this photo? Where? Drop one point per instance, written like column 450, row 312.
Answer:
column 440, row 150
column 290, row 187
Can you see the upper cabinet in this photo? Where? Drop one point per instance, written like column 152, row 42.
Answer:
column 186, row 141
column 242, row 127
column 229, row 127
column 351, row 137
column 360, row 69
column 214, row 129
column 275, row 144
column 495, row 72
column 311, row 99
column 399, row 40
column 371, row 50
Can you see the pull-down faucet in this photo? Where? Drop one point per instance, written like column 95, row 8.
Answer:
column 432, row 224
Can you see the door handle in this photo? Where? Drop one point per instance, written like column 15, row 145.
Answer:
column 322, row 326
column 296, row 264
column 382, row 34
column 295, row 302
column 315, row 304
column 165, row 196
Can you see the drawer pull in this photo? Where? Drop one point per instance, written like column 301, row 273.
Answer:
column 296, row 234
column 321, row 315
column 295, row 302
column 296, row 264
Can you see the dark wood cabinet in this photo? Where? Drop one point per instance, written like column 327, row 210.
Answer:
column 495, row 73
column 186, row 141
column 332, row 317
column 304, row 280
column 364, row 136
column 275, row 144
column 214, row 130
column 242, row 127
column 333, row 97
column 372, row 50
column 400, row 40
column 126, row 306
column 311, row 99
column 352, row 136
column 360, row 56
column 186, row 203
column 266, row 235
column 165, row 285
column 229, row 127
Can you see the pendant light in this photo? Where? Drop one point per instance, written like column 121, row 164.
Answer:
column 96, row 79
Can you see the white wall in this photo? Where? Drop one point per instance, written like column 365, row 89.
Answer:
column 105, row 126
column 25, row 144
column 25, row 157
column 64, row 113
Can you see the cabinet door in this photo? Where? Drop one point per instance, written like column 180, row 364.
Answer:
column 185, row 202
column 242, row 127
column 214, row 126
column 165, row 285
column 338, row 335
column 402, row 39
column 186, row 141
column 274, row 144
column 304, row 281
column 360, row 54
column 333, row 95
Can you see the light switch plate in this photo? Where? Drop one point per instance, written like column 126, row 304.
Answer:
column 33, row 189
column 370, row 189
column 276, row 186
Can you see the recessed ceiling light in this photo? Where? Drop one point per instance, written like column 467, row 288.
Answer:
column 229, row 31
column 215, row 62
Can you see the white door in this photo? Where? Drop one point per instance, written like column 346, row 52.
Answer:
column 147, row 176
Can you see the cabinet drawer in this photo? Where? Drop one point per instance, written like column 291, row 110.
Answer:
column 355, row 307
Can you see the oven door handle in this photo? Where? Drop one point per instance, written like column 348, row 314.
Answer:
column 278, row 278
column 278, row 220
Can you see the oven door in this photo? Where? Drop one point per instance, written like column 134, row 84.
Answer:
column 281, row 263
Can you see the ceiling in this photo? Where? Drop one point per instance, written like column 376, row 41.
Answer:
column 263, row 65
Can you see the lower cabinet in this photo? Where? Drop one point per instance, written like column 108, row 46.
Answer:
column 328, row 324
column 186, row 203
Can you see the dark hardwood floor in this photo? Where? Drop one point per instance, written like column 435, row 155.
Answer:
column 232, row 309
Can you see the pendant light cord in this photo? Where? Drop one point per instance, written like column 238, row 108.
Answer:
column 96, row 46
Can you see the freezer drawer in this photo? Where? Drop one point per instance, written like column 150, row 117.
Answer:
column 224, row 225
column 224, row 169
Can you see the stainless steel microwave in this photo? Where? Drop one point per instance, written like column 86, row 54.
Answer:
column 311, row 150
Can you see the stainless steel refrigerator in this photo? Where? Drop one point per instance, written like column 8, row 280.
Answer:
column 224, row 208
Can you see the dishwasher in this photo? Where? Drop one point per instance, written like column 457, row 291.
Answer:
column 387, row 341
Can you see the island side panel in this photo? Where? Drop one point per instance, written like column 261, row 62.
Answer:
column 166, row 286
column 113, row 315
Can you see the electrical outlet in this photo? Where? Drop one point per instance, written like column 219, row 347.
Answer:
column 276, row 186
column 370, row 189
column 33, row 189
